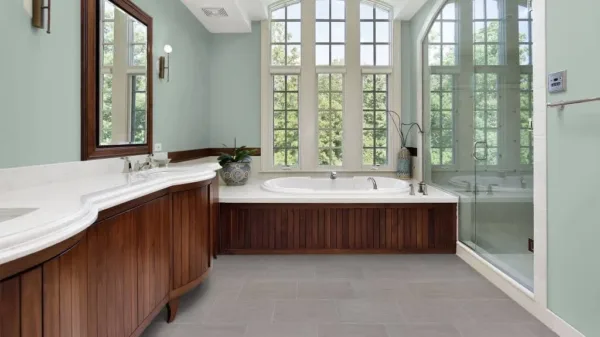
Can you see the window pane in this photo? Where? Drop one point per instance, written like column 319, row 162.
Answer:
column 435, row 55
column 294, row 12
column 524, row 31
column 278, row 14
column 109, row 11
column 293, row 55
column 109, row 32
column 322, row 55
column 338, row 9
column 366, row 12
column 139, row 55
column 293, row 32
column 381, row 14
column 383, row 55
column 338, row 32
column 366, row 31
column 383, row 32
column 338, row 55
column 435, row 33
column 322, row 32
column 366, row 55
column 108, row 52
column 322, row 9
column 139, row 33
column 278, row 32
column 449, row 32
column 375, row 121
column 285, row 120
column 330, row 119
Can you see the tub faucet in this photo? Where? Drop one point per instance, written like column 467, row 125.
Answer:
column 468, row 183
column 333, row 175
column 523, row 183
column 490, row 189
column 372, row 180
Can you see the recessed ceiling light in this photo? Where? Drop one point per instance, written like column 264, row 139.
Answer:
column 215, row 12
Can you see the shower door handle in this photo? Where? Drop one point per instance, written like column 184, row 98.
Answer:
column 475, row 150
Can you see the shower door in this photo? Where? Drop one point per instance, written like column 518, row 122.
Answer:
column 502, row 139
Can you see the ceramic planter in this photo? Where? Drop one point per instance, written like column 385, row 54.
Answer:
column 235, row 174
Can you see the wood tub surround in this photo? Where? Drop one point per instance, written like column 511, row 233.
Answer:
column 115, row 277
column 337, row 228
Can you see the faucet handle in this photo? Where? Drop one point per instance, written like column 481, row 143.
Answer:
column 126, row 165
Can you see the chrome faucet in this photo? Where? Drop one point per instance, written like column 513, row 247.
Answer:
column 333, row 175
column 523, row 183
column 372, row 180
column 412, row 189
column 469, row 186
column 145, row 165
column 490, row 189
column 126, row 165
column 423, row 188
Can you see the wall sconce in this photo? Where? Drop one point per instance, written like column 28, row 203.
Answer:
column 164, row 65
column 37, row 19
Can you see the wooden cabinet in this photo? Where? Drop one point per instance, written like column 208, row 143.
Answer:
column 115, row 277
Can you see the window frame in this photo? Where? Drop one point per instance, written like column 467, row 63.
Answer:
column 308, row 71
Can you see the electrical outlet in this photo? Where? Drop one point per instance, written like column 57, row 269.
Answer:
column 157, row 147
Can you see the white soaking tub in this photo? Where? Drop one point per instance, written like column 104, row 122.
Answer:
column 345, row 186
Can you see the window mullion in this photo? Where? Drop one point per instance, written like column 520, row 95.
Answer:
column 308, row 90
column 511, row 145
column 353, row 115
column 464, row 126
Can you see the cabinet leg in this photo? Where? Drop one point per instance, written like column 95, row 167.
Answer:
column 172, row 308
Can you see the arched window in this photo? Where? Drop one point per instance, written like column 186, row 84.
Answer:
column 483, row 96
column 327, row 70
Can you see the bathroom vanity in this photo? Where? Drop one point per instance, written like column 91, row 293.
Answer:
column 114, row 276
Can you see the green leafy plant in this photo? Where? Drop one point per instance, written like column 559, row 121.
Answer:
column 237, row 155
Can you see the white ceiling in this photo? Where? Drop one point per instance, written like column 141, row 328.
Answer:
column 242, row 12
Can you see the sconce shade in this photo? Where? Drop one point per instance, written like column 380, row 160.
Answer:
column 168, row 49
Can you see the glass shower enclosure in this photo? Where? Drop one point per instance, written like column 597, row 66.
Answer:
column 477, row 112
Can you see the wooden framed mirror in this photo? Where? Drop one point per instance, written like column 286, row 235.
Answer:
column 116, row 79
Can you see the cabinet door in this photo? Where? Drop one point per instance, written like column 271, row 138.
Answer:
column 65, row 282
column 49, row 300
column 129, row 268
column 113, row 277
column 154, row 238
column 191, row 236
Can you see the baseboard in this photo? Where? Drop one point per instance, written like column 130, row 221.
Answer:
column 515, row 291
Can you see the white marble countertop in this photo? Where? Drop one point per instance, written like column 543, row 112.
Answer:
column 66, row 207
column 253, row 193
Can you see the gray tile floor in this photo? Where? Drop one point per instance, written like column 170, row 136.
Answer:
column 347, row 296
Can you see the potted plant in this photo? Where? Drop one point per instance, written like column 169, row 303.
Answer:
column 236, row 166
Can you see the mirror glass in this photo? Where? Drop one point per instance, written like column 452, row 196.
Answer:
column 123, row 57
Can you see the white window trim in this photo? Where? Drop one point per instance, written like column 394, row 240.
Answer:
column 308, row 112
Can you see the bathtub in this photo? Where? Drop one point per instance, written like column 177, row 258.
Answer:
column 506, row 184
column 346, row 186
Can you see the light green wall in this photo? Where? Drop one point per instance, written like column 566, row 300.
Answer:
column 235, row 89
column 40, row 83
column 39, row 86
column 573, row 167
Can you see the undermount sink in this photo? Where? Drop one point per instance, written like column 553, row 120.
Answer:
column 13, row 213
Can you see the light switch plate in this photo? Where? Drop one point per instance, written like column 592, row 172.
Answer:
column 557, row 82
column 157, row 147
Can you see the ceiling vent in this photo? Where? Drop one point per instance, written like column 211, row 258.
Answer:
column 215, row 12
